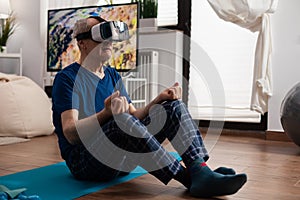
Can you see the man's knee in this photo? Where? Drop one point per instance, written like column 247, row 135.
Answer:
column 174, row 103
column 174, row 106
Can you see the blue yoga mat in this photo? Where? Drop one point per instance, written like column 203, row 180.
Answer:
column 56, row 182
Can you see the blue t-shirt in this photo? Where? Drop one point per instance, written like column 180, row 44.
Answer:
column 77, row 88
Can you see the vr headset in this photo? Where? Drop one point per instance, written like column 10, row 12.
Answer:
column 113, row 30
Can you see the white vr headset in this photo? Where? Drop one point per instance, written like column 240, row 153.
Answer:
column 112, row 30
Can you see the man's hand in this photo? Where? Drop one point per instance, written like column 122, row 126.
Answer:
column 172, row 93
column 116, row 104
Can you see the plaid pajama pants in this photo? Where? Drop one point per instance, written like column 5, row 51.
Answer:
column 125, row 142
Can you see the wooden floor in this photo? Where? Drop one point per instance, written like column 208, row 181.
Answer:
column 273, row 169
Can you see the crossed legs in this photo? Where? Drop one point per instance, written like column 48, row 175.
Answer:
column 126, row 142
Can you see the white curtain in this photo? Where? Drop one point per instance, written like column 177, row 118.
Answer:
column 253, row 15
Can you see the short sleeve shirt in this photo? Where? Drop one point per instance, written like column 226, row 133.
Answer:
column 77, row 88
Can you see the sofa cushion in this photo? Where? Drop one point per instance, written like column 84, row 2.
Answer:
column 25, row 109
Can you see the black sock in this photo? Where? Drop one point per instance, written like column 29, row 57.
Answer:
column 183, row 177
column 224, row 170
column 207, row 183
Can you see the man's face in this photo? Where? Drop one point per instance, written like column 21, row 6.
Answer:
column 105, row 50
column 99, row 52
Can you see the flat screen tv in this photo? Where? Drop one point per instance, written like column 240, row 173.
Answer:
column 62, row 49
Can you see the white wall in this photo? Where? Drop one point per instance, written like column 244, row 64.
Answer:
column 286, row 56
column 27, row 37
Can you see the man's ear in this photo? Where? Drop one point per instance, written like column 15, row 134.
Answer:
column 80, row 43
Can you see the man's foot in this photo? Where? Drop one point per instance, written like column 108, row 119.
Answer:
column 207, row 183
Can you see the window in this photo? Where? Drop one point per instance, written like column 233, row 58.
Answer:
column 167, row 12
column 229, row 49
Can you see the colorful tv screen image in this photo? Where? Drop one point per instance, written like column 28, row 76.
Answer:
column 62, row 49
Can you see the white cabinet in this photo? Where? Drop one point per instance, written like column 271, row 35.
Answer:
column 169, row 45
column 6, row 56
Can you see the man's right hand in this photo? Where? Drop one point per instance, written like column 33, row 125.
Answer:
column 116, row 104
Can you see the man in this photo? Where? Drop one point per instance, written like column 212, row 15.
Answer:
column 103, row 136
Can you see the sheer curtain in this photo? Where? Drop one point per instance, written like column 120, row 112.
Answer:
column 228, row 51
column 253, row 15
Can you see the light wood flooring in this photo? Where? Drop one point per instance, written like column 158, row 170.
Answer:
column 273, row 169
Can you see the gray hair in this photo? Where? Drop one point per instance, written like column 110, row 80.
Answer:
column 81, row 26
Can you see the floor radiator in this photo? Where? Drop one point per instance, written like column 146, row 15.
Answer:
column 142, row 85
